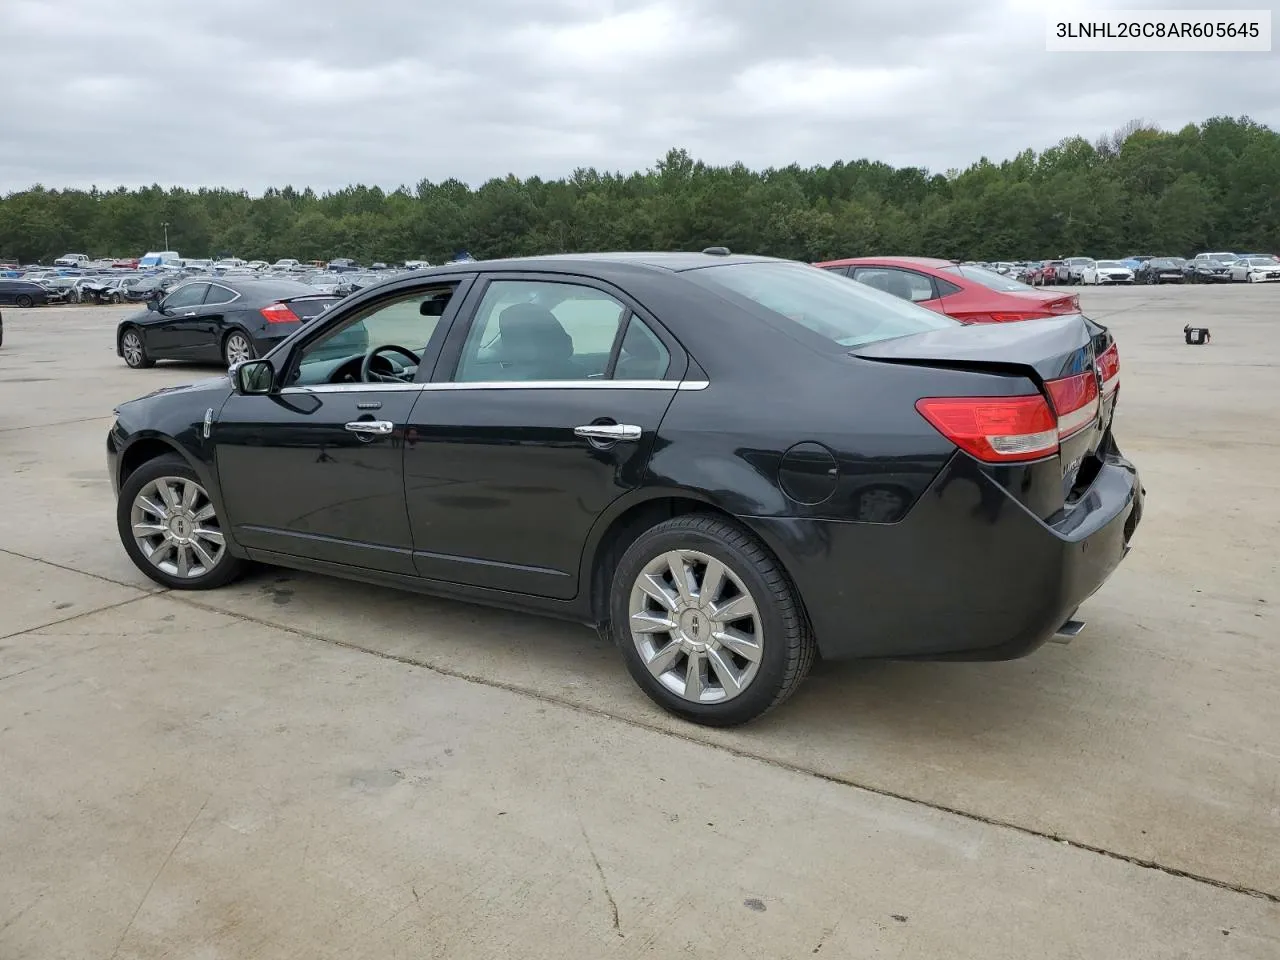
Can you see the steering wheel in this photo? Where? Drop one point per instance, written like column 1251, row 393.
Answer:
column 369, row 375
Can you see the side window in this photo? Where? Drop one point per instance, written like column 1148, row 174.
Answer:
column 218, row 294
column 642, row 356
column 903, row 284
column 843, row 271
column 540, row 330
column 186, row 296
column 407, row 322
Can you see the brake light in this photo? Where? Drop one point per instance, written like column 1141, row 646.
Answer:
column 279, row 313
column 1109, row 367
column 1075, row 400
column 994, row 429
column 1014, row 317
column 1070, row 304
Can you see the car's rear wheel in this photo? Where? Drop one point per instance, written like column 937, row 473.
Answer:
column 237, row 348
column 170, row 527
column 134, row 350
column 707, row 621
column 24, row 300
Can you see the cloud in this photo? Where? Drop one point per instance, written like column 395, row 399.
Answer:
column 325, row 93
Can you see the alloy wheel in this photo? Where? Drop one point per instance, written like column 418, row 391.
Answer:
column 131, row 347
column 238, row 349
column 696, row 627
column 176, row 527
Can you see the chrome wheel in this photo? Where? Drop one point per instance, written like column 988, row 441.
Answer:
column 131, row 347
column 176, row 528
column 238, row 349
column 696, row 626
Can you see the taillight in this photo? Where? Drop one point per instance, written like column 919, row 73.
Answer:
column 1075, row 400
column 1014, row 317
column 1109, row 367
column 279, row 313
column 994, row 429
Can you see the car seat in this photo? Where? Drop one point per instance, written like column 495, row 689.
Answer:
column 532, row 344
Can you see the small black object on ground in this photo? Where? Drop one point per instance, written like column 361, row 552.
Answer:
column 1196, row 336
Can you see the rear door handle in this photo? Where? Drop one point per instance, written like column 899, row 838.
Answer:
column 375, row 428
column 608, row 431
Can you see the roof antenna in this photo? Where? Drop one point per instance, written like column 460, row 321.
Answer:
column 716, row 251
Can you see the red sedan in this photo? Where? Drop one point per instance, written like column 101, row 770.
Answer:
column 968, row 294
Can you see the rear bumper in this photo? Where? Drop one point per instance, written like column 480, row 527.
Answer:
column 969, row 573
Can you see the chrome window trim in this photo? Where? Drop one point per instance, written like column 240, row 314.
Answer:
column 505, row 385
column 235, row 294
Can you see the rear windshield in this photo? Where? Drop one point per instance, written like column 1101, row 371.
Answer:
column 988, row 278
column 843, row 311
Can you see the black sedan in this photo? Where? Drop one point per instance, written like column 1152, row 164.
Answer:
column 729, row 464
column 22, row 293
column 218, row 320
column 1161, row 270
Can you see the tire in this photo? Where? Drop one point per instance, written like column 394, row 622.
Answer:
column 180, row 535
column 134, row 349
column 24, row 300
column 117, row 298
column 236, row 341
column 784, row 648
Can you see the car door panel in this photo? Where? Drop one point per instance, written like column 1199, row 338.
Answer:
column 166, row 326
column 501, row 491
column 297, row 481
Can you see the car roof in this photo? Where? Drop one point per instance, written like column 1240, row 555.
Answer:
column 931, row 262
column 268, row 287
column 667, row 262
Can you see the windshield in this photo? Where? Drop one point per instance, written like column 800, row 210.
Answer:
column 844, row 311
column 988, row 278
column 1110, row 264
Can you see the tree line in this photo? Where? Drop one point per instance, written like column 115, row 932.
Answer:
column 1208, row 186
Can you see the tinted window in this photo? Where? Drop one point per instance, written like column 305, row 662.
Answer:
column 187, row 295
column 988, row 278
column 903, row 284
column 540, row 330
column 844, row 311
column 219, row 294
column 642, row 356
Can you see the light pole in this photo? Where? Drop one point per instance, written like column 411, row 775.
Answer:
column 165, row 224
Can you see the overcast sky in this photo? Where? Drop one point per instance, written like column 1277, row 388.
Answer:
column 254, row 93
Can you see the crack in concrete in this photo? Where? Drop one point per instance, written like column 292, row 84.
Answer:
column 737, row 752
column 58, row 423
column 76, row 616
column 148, row 590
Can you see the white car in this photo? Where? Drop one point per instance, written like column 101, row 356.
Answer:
column 285, row 263
column 1072, row 268
column 72, row 260
column 1106, row 271
column 1255, row 270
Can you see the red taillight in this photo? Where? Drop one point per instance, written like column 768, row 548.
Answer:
column 1014, row 317
column 994, row 429
column 279, row 313
column 1075, row 400
column 1109, row 367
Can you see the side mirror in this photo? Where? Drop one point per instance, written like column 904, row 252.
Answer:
column 153, row 304
column 252, row 377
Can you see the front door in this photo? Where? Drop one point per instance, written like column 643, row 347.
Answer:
column 164, row 331
column 198, row 334
column 543, row 412
column 316, row 470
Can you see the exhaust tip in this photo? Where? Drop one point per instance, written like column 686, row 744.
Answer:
column 1068, row 631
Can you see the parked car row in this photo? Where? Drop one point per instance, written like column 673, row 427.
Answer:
column 1220, row 267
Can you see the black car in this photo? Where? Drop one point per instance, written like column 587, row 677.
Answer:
column 23, row 293
column 213, row 320
column 730, row 464
column 1161, row 270
column 1207, row 270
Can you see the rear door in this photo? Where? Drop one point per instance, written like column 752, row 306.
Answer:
column 542, row 412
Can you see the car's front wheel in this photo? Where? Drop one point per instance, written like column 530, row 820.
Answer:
column 23, row 300
column 707, row 621
column 171, row 529
column 134, row 350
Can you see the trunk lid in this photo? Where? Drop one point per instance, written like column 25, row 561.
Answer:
column 309, row 306
column 1072, row 361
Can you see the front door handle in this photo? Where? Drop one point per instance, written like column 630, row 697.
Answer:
column 609, row 432
column 374, row 428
